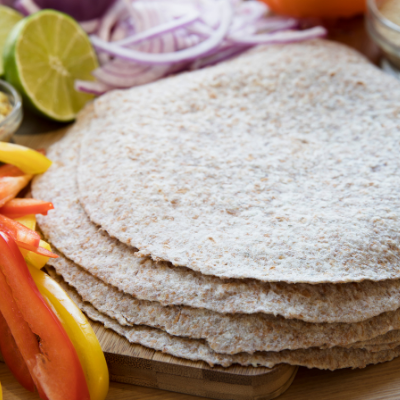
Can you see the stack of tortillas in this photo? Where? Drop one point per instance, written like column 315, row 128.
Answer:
column 245, row 213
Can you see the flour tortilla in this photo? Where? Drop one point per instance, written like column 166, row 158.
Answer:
column 70, row 230
column 192, row 349
column 281, row 165
column 223, row 333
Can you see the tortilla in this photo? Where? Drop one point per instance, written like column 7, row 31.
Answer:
column 223, row 333
column 70, row 230
column 193, row 349
column 280, row 165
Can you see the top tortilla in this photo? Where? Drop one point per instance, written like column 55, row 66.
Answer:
column 281, row 165
column 69, row 229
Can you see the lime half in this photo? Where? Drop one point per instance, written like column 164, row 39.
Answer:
column 8, row 18
column 43, row 55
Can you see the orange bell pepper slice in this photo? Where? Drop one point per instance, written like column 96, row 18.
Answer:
column 46, row 348
column 19, row 232
column 10, row 186
column 38, row 250
column 17, row 208
column 13, row 358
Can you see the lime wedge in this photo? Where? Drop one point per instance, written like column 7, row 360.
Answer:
column 8, row 18
column 43, row 55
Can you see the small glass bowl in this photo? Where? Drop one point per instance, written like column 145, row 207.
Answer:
column 386, row 35
column 13, row 120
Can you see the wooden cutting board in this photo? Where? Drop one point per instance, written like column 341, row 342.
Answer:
column 137, row 365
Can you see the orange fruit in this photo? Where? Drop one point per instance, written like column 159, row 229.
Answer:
column 317, row 8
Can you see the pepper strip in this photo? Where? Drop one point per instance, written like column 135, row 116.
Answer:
column 79, row 331
column 38, row 250
column 54, row 366
column 13, row 357
column 17, row 208
column 27, row 160
column 10, row 186
column 24, row 337
column 19, row 232
column 36, row 260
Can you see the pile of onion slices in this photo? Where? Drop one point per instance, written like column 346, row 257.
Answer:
column 140, row 41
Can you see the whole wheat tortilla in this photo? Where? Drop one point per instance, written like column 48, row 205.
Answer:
column 70, row 230
column 193, row 349
column 223, row 333
column 281, row 165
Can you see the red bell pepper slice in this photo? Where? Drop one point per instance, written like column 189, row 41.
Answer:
column 10, row 170
column 19, row 232
column 17, row 208
column 13, row 357
column 10, row 186
column 55, row 366
column 38, row 250
column 23, row 335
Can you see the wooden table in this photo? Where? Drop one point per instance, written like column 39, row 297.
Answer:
column 372, row 383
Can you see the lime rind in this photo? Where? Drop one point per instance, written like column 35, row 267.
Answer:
column 8, row 19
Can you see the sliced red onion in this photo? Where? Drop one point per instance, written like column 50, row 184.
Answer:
column 140, row 74
column 280, row 37
column 26, row 7
column 122, row 30
column 121, row 67
column 159, row 30
column 146, row 75
column 140, row 41
column 107, row 23
column 219, row 56
column 118, row 77
column 273, row 24
column 167, row 58
column 96, row 88
column 111, row 17
column 90, row 26
column 201, row 29
column 247, row 13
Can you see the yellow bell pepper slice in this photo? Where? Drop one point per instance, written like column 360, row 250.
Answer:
column 79, row 331
column 27, row 160
column 28, row 220
column 36, row 260
column 1, row 392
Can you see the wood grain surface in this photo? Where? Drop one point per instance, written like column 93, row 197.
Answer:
column 135, row 364
column 377, row 382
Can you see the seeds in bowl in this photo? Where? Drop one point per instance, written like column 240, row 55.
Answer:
column 5, row 106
